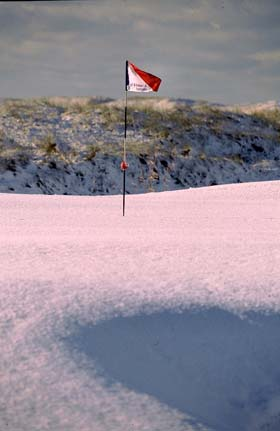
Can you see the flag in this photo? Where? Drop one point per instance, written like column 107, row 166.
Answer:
column 140, row 81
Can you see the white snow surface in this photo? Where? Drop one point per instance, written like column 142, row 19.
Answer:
column 165, row 319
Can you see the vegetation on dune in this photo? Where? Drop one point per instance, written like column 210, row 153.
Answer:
column 80, row 129
column 91, row 152
column 269, row 117
column 48, row 145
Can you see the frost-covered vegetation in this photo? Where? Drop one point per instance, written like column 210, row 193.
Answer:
column 74, row 145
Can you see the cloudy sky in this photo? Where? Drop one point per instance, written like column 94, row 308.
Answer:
column 224, row 51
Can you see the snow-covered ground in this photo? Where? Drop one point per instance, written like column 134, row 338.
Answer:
column 74, row 146
column 165, row 319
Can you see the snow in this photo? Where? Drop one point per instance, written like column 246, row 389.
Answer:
column 165, row 319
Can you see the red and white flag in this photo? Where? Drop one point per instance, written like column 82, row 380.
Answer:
column 140, row 81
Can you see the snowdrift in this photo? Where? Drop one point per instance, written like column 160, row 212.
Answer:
column 167, row 318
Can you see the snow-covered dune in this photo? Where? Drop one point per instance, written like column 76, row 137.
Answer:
column 165, row 319
column 74, row 146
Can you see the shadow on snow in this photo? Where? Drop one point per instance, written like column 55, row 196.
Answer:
column 214, row 365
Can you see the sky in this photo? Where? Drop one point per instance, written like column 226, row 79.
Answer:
column 224, row 51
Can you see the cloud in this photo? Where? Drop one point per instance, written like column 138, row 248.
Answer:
column 84, row 44
column 266, row 56
column 261, row 8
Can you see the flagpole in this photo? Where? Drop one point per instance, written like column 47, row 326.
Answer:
column 140, row 81
column 124, row 149
column 124, row 164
